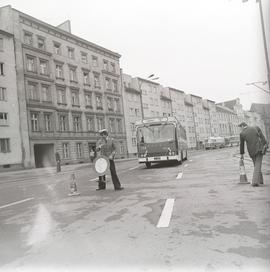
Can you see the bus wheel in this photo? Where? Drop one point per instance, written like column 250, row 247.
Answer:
column 148, row 164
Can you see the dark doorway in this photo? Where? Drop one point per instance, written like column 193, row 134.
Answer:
column 44, row 155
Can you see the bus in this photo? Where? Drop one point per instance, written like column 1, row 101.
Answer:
column 161, row 139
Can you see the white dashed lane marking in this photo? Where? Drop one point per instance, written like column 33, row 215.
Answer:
column 186, row 165
column 133, row 168
column 17, row 202
column 165, row 218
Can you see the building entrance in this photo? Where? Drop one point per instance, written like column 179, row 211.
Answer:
column 44, row 155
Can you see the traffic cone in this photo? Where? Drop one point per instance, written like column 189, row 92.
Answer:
column 243, row 176
column 73, row 186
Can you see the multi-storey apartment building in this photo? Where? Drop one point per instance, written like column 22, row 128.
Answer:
column 228, row 121
column 11, row 144
column 71, row 88
column 132, row 111
column 264, row 111
column 255, row 119
column 213, row 118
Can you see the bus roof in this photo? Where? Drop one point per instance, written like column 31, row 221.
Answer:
column 171, row 119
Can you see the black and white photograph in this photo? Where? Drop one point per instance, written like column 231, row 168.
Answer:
column 135, row 136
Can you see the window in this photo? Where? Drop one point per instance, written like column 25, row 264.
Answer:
column 75, row 98
column 86, row 78
column 122, row 149
column 79, row 150
column 84, row 57
column 145, row 106
column 108, row 84
column 72, row 74
column 100, row 123
column 59, row 71
column 28, row 38
column 63, row 122
column 110, row 103
column 106, row 65
column 111, row 125
column 33, row 91
column 41, row 43
column 99, row 102
column 65, row 150
column 94, row 61
column 3, row 118
column 96, row 81
column 76, row 123
column 114, row 84
column 4, row 145
column 71, row 54
column 34, row 121
column 119, row 126
column 1, row 44
column 46, row 93
column 88, row 99
column 117, row 105
column 30, row 64
column 112, row 67
column 1, row 69
column 61, row 96
column 3, row 94
column 90, row 123
column 48, row 122
column 134, row 143
column 57, row 48
column 43, row 67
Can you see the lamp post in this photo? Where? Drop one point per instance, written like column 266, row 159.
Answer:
column 150, row 77
column 257, row 82
column 265, row 45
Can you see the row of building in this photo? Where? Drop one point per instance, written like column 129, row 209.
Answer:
column 58, row 90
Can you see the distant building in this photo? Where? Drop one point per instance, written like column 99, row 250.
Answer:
column 228, row 121
column 132, row 111
column 68, row 88
column 12, row 146
column 264, row 111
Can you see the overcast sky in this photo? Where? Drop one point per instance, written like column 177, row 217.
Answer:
column 210, row 48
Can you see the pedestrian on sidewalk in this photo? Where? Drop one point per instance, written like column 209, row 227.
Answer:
column 92, row 154
column 256, row 146
column 106, row 147
column 58, row 162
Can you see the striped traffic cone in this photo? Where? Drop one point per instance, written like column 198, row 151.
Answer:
column 73, row 186
column 243, row 176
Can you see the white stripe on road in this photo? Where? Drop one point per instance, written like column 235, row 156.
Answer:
column 17, row 202
column 180, row 175
column 185, row 165
column 133, row 168
column 190, row 160
column 166, row 214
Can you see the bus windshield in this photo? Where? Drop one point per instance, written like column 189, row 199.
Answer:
column 156, row 133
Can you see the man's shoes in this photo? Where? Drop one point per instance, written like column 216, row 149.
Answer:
column 119, row 189
column 98, row 189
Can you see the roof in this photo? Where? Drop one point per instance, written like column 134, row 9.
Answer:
column 263, row 109
column 221, row 108
column 63, row 32
column 229, row 104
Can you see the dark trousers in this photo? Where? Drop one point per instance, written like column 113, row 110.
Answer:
column 58, row 166
column 115, row 179
column 257, row 173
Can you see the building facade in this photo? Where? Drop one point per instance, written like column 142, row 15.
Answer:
column 70, row 89
column 11, row 145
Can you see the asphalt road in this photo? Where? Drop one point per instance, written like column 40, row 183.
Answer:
column 193, row 216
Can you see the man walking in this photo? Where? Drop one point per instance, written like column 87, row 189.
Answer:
column 58, row 162
column 106, row 147
column 256, row 146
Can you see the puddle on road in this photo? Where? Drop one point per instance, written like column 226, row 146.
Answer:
column 251, row 252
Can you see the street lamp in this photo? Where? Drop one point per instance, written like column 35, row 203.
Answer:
column 150, row 77
column 265, row 45
column 258, row 82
